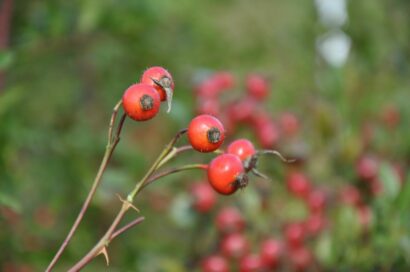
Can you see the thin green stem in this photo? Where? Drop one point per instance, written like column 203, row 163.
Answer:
column 155, row 166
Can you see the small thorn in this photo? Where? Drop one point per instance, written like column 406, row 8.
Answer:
column 128, row 203
column 259, row 174
column 104, row 252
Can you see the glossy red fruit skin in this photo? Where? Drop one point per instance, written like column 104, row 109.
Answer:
column 223, row 172
column 298, row 184
column 133, row 98
column 271, row 253
column 204, row 197
column 206, row 133
column 234, row 245
column 257, row 86
column 229, row 220
column 295, row 234
column 251, row 263
column 157, row 73
column 242, row 148
column 214, row 263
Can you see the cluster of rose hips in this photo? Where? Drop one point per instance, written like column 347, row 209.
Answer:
column 141, row 101
column 235, row 251
column 228, row 171
column 245, row 111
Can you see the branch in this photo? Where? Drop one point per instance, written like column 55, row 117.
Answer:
column 127, row 227
column 112, row 143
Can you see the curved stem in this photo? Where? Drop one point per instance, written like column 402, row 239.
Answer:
column 174, row 152
column 156, row 165
column 127, row 227
column 126, row 205
column 276, row 153
column 111, row 145
column 175, row 170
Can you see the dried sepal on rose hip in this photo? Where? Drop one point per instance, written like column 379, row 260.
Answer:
column 226, row 174
column 141, row 102
column 159, row 78
column 206, row 133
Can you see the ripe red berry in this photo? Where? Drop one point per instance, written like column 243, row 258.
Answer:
column 242, row 148
column 234, row 245
column 257, row 86
column 214, row 263
column 242, row 110
column 289, row 124
column 208, row 89
column 350, row 195
column 206, row 133
column 204, row 197
column 208, row 106
column 294, row 234
column 226, row 174
column 141, row 102
column 315, row 223
column 229, row 220
column 224, row 80
column 271, row 252
column 316, row 201
column 267, row 133
column 301, row 258
column 251, row 263
column 159, row 78
column 298, row 184
column 367, row 167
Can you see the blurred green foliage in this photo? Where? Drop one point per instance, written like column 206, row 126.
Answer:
column 69, row 62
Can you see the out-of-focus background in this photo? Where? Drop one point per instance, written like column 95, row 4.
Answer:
column 339, row 71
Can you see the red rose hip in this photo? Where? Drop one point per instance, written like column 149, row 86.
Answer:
column 214, row 263
column 242, row 148
column 141, row 102
column 226, row 174
column 206, row 133
column 162, row 81
column 204, row 197
column 230, row 220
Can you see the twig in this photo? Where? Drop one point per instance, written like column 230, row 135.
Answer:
column 112, row 143
column 127, row 227
column 175, row 170
column 126, row 205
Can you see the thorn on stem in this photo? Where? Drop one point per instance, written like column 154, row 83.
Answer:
column 104, row 252
column 129, row 204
